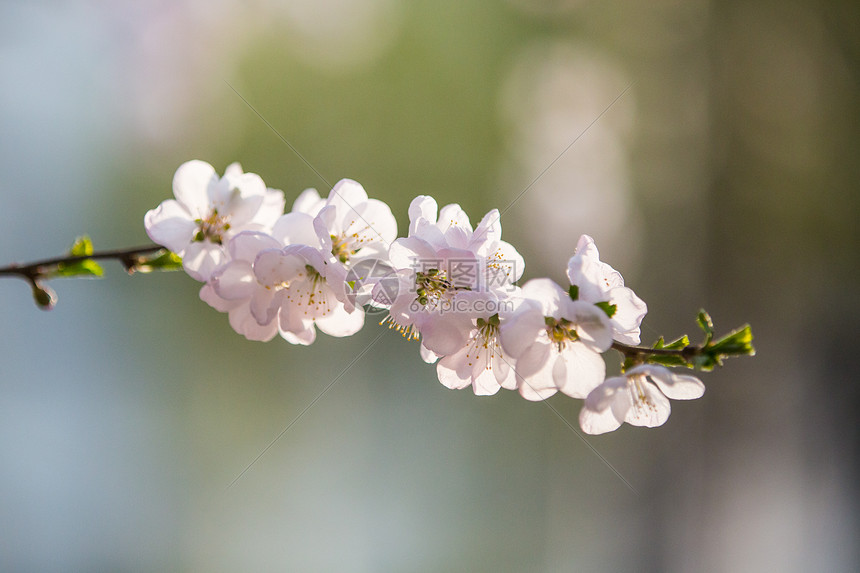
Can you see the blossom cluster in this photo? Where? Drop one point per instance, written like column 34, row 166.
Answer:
column 453, row 287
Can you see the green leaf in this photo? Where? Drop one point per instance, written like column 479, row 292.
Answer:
column 736, row 343
column 678, row 344
column 670, row 360
column 573, row 291
column 609, row 309
column 82, row 247
column 162, row 260
column 706, row 324
column 705, row 362
column 86, row 267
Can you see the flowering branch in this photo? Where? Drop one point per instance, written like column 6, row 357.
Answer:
column 81, row 261
column 328, row 261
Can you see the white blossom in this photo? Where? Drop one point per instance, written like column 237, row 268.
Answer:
column 639, row 397
column 207, row 211
column 556, row 342
column 449, row 275
column 599, row 282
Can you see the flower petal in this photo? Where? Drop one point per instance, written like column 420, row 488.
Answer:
column 674, row 386
column 650, row 408
column 295, row 229
column 170, row 225
column 308, row 202
column 583, row 370
column 234, row 281
column 191, row 186
column 248, row 244
column 202, row 258
column 340, row 322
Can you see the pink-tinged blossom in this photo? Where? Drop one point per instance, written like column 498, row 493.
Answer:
column 599, row 282
column 639, row 397
column 208, row 211
column 556, row 342
column 449, row 275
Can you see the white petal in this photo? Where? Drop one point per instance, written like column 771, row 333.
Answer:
column 210, row 297
column 539, row 384
column 202, row 258
column 412, row 253
column 630, row 310
column 308, row 202
column 583, row 370
column 595, row 423
column 454, row 372
column 674, row 386
column 522, row 328
column 381, row 222
column 295, row 228
column 248, row 244
column 271, row 209
column 547, row 293
column 488, row 231
column 274, row 267
column 340, row 322
column 428, row 355
column 485, row 383
column 453, row 216
column 170, row 225
column 505, row 265
column 502, row 366
column 537, row 387
column 535, row 358
column 650, row 411
column 234, row 169
column 234, row 281
column 305, row 334
column 245, row 324
column 191, row 186
column 264, row 305
column 592, row 324
column 422, row 211
column 605, row 407
column 444, row 333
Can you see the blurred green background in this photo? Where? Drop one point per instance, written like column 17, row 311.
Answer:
column 726, row 177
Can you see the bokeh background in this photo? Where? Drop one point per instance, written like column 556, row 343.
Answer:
column 726, row 176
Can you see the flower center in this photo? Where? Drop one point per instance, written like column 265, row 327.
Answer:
column 484, row 343
column 560, row 331
column 340, row 247
column 641, row 400
column 212, row 228
column 433, row 286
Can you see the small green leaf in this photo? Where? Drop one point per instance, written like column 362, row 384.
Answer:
column 668, row 360
column 86, row 267
column 705, row 362
column 609, row 309
column 573, row 291
column 706, row 324
column 678, row 344
column 162, row 260
column 736, row 343
column 82, row 247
